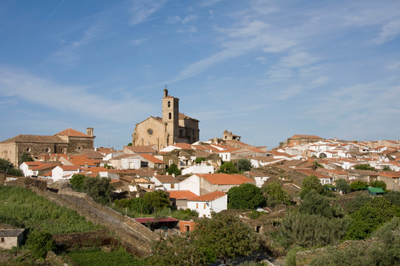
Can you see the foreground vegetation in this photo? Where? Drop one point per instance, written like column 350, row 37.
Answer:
column 94, row 257
column 23, row 208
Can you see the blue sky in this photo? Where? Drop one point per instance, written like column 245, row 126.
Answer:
column 265, row 70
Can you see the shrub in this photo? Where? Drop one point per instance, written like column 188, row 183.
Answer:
column 39, row 243
column 358, row 184
column 316, row 204
column 245, row 196
column 311, row 183
column 275, row 194
column 378, row 183
column 342, row 185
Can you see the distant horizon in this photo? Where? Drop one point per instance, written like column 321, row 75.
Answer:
column 258, row 68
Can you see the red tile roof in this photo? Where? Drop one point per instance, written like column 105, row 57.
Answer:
column 183, row 146
column 166, row 179
column 69, row 167
column 309, row 172
column 225, row 179
column 306, row 137
column 181, row 194
column 390, row 173
column 151, row 158
column 72, row 133
column 209, row 197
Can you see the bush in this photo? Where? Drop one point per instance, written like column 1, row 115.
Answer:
column 77, row 181
column 311, row 183
column 364, row 167
column 99, row 189
column 358, row 184
column 245, row 196
column 173, row 169
column 275, row 194
column 290, row 259
column 39, row 243
column 356, row 203
column 393, row 197
column 157, row 200
column 199, row 160
column 342, row 185
column 316, row 204
column 310, row 230
column 378, row 183
column 227, row 168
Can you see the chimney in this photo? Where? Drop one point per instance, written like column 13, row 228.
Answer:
column 86, row 165
column 173, row 175
column 89, row 131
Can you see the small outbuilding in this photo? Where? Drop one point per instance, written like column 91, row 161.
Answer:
column 10, row 237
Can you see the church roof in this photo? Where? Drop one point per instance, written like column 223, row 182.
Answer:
column 183, row 116
column 72, row 133
column 34, row 139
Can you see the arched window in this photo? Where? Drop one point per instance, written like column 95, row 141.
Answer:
column 170, row 115
column 169, row 104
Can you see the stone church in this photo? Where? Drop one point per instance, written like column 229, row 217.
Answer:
column 65, row 141
column 172, row 127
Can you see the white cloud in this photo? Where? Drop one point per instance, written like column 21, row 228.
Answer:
column 76, row 99
column 298, row 60
column 68, row 55
column 142, row 9
column 185, row 20
column 139, row 41
column 394, row 66
column 389, row 32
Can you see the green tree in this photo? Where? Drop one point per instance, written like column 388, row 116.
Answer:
column 140, row 205
column 77, row 181
column 369, row 217
column 243, row 165
column 227, row 168
column 8, row 167
column 25, row 158
column 378, row 183
column 357, row 202
column 387, row 168
column 311, row 183
column 129, row 144
column 364, row 167
column 173, row 169
column 358, row 184
column 177, row 250
column 275, row 194
column 342, row 185
column 245, row 196
column 39, row 243
column 310, row 230
column 315, row 203
column 99, row 189
column 199, row 160
column 226, row 235
column 393, row 197
column 157, row 199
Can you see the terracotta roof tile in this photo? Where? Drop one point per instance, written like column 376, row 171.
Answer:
column 225, row 179
column 166, row 179
column 141, row 149
column 151, row 158
column 181, row 194
column 72, row 133
column 209, row 197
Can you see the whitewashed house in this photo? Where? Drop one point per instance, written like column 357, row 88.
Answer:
column 212, row 202
column 64, row 172
column 199, row 169
column 165, row 182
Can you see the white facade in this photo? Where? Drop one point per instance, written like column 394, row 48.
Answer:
column 199, row 169
column 25, row 169
column 204, row 208
column 225, row 156
column 58, row 173
column 260, row 180
column 165, row 186
column 192, row 184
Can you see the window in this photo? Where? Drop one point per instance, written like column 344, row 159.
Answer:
column 172, row 185
column 2, row 239
column 169, row 115
column 79, row 148
column 169, row 104
column 204, row 206
column 150, row 131
column 197, row 205
column 28, row 149
column 48, row 150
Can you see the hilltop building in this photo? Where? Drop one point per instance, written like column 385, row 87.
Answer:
column 299, row 140
column 172, row 127
column 65, row 141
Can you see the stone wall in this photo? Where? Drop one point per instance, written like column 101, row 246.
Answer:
column 130, row 232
